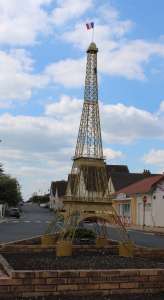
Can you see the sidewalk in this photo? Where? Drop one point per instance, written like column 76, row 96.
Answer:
column 2, row 220
column 149, row 229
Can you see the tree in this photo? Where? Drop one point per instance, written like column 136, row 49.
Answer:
column 9, row 190
column 1, row 170
column 39, row 198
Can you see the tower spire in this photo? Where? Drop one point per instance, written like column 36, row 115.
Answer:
column 89, row 142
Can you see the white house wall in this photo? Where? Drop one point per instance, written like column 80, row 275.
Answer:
column 149, row 219
column 154, row 208
column 158, row 204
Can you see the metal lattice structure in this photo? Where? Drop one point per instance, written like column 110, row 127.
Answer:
column 89, row 142
column 87, row 194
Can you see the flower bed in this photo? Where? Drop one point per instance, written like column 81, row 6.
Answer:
column 96, row 260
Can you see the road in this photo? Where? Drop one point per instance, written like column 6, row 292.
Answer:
column 34, row 221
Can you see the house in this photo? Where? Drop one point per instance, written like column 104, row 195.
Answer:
column 142, row 202
column 57, row 192
column 119, row 177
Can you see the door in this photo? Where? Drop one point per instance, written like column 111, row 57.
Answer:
column 140, row 214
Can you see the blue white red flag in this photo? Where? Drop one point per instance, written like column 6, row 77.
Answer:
column 90, row 25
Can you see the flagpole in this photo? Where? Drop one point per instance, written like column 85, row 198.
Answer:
column 92, row 34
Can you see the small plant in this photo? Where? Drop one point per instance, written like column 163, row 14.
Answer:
column 81, row 233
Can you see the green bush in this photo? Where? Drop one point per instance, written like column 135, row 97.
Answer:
column 81, row 233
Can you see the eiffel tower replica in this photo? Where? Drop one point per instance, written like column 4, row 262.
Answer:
column 87, row 195
column 87, row 190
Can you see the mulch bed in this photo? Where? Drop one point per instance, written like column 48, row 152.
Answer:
column 119, row 297
column 97, row 260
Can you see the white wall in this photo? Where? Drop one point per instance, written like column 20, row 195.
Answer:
column 154, row 208
column 149, row 220
column 158, row 204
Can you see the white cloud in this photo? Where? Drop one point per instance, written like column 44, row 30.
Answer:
column 20, row 22
column 68, row 9
column 129, row 59
column 155, row 157
column 35, row 171
column 111, row 154
column 69, row 72
column 65, row 106
column 161, row 107
column 36, row 133
column 125, row 124
column 16, row 77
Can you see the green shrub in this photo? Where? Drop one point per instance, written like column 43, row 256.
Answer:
column 81, row 233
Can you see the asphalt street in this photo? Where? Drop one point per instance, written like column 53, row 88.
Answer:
column 35, row 220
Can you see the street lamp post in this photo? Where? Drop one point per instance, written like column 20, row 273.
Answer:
column 144, row 205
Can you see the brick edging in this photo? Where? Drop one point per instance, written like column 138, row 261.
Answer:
column 81, row 282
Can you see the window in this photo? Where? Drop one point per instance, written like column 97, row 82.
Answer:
column 126, row 209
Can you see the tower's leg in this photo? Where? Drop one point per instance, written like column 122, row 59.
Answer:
column 64, row 244
column 126, row 249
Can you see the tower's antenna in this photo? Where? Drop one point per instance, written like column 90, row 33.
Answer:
column 93, row 29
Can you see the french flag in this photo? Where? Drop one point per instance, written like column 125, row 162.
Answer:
column 90, row 25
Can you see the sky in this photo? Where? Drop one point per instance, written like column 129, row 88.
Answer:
column 42, row 71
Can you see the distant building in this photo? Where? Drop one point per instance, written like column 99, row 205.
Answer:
column 57, row 192
column 119, row 177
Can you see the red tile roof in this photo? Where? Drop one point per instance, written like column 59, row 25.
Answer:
column 142, row 186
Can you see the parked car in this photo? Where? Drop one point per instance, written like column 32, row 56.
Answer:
column 14, row 212
column 45, row 205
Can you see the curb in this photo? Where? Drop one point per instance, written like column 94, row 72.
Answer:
column 147, row 231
